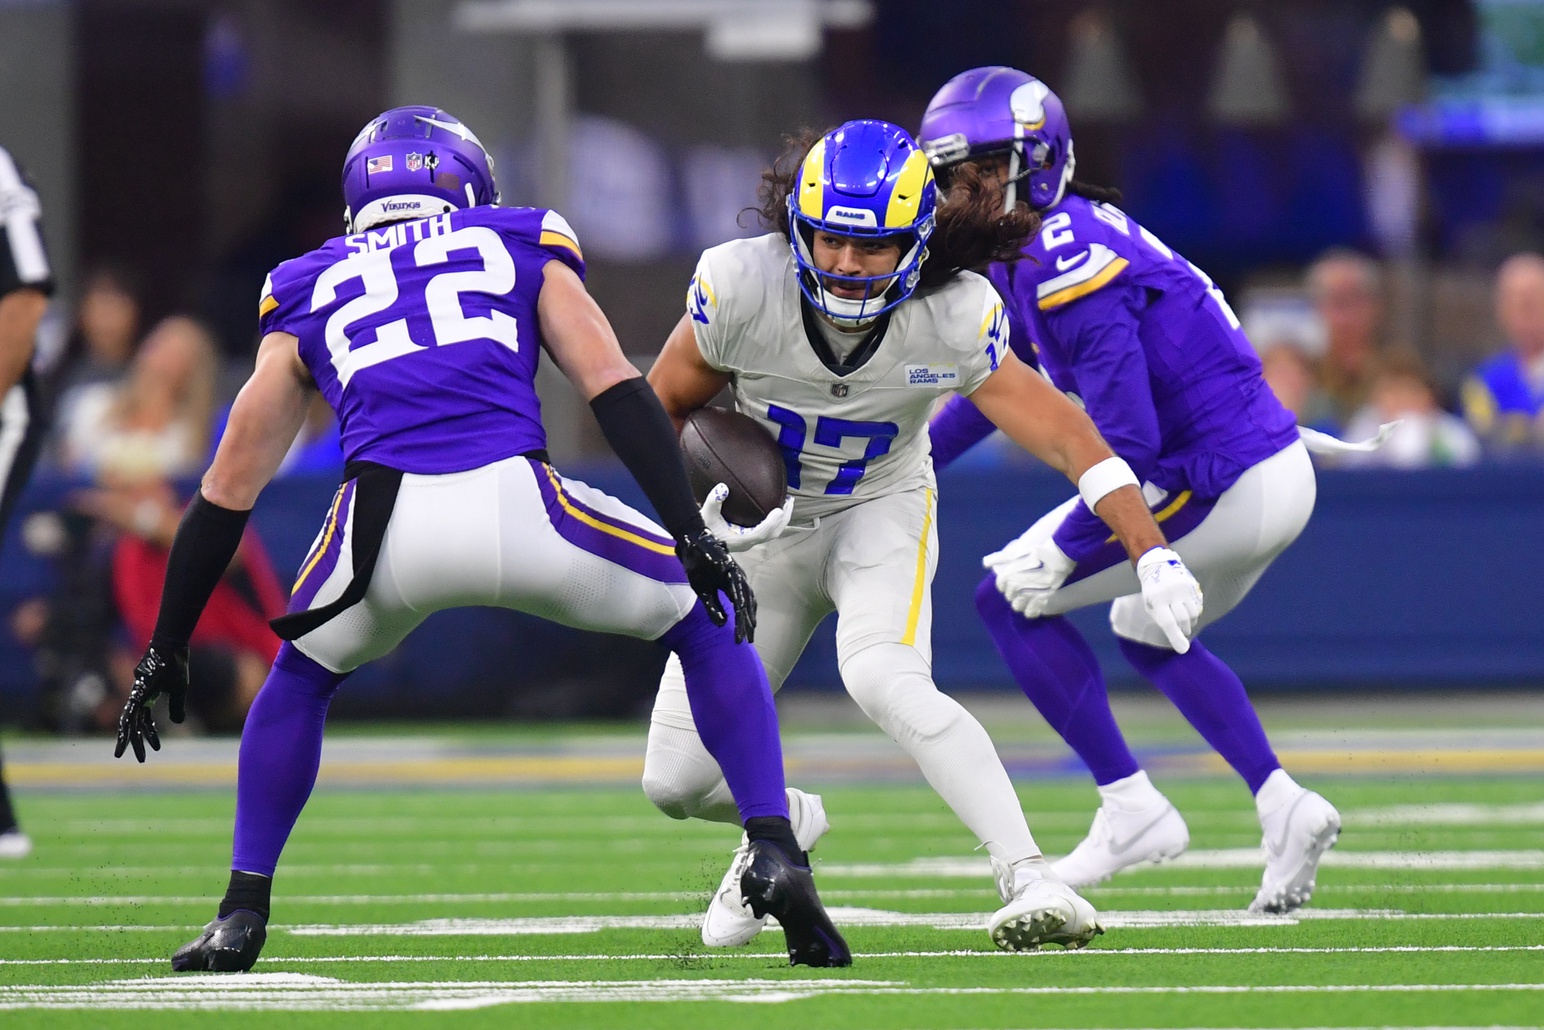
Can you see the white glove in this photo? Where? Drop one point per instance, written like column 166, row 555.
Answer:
column 1029, row 572
column 742, row 538
column 1171, row 594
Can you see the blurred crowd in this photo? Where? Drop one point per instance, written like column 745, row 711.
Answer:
column 1363, row 377
column 138, row 409
column 136, row 413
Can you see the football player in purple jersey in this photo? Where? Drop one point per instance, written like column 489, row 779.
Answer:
column 1147, row 344
column 422, row 327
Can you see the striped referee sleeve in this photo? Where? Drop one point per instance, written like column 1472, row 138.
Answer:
column 23, row 259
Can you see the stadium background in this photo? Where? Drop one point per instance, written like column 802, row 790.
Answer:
column 199, row 144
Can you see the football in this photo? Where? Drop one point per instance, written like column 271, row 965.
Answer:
column 722, row 446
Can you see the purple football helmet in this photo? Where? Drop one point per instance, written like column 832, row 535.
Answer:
column 997, row 110
column 412, row 162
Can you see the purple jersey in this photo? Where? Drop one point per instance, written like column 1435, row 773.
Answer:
column 1148, row 345
column 423, row 334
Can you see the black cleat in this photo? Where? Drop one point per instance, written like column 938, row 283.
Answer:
column 228, row 945
column 774, row 885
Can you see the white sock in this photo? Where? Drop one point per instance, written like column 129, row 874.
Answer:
column 1133, row 793
column 1278, row 789
column 893, row 686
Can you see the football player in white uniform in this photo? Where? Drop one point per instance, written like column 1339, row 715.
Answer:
column 838, row 332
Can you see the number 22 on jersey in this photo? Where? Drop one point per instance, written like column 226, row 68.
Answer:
column 441, row 299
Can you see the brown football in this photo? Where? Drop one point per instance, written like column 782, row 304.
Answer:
column 722, row 446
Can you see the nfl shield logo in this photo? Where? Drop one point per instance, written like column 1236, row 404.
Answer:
column 378, row 164
column 415, row 162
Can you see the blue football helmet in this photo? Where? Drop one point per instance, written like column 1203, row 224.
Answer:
column 412, row 162
column 869, row 180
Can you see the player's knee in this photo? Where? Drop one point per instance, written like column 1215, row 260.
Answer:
column 893, row 686
column 676, row 779
column 668, row 794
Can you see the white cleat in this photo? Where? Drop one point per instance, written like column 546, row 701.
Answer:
column 1297, row 834
column 1042, row 911
column 729, row 921
column 1120, row 839
column 15, row 844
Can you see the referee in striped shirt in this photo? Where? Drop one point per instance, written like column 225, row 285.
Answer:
column 25, row 285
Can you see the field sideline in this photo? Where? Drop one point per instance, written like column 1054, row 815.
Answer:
column 490, row 877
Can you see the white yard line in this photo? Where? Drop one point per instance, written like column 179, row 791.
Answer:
column 1448, row 814
column 371, row 899
column 609, row 896
column 1129, row 919
column 718, row 955
column 868, row 917
column 1223, row 858
column 301, row 992
column 1124, row 919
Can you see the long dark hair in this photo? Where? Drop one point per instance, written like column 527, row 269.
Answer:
column 972, row 230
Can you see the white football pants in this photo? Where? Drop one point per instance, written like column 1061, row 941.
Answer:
column 873, row 565
column 1253, row 521
column 512, row 534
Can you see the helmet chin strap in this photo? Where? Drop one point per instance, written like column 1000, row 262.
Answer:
column 1072, row 162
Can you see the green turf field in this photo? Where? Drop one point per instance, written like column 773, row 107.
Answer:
column 466, row 902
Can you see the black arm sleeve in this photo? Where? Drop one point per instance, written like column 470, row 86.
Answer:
column 637, row 428
column 206, row 542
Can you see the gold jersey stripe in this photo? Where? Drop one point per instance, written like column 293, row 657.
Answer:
column 1083, row 289
column 549, row 238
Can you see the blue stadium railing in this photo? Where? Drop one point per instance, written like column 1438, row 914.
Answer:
column 1429, row 578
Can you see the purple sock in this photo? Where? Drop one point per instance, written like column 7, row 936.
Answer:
column 281, row 749
column 1212, row 697
column 732, row 707
column 1057, row 670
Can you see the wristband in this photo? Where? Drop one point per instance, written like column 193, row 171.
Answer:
column 1104, row 478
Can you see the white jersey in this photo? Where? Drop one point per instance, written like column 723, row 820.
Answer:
column 847, row 434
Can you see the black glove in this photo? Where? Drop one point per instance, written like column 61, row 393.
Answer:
column 709, row 570
column 163, row 670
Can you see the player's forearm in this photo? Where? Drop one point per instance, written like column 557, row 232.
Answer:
column 206, row 541
column 1125, row 511
column 20, row 313
column 638, row 430
column 1054, row 431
